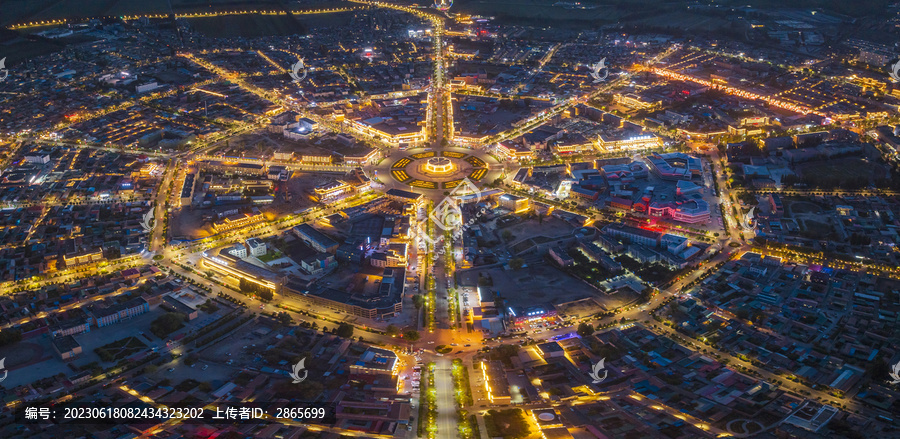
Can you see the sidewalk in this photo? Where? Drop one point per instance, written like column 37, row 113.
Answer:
column 482, row 427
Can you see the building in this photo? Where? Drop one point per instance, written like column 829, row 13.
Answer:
column 551, row 349
column 514, row 152
column 66, row 347
column 392, row 131
column 776, row 143
column 633, row 101
column 81, row 377
column 284, row 156
column 561, row 257
column 691, row 211
column 308, row 123
column 71, row 327
column 257, row 247
column 330, row 191
column 404, row 196
column 584, row 194
column 278, row 173
column 351, row 253
column 620, row 203
column 237, row 250
column 318, row 264
column 38, row 158
column 674, row 243
column 236, row 268
column 358, row 180
column 233, row 168
column 376, row 361
column 875, row 57
column 597, row 254
column 514, row 203
column 238, row 220
column 302, row 129
column 686, row 187
column 315, row 239
column 174, row 303
column 82, row 258
column 633, row 235
column 105, row 316
column 675, row 166
column 364, row 157
column 495, row 382
column 385, row 302
column 317, row 159
column 628, row 140
column 148, row 87
column 394, row 256
column 642, row 254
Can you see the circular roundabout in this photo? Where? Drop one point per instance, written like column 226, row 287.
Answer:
column 438, row 169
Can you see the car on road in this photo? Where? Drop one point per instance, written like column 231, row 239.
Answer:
column 171, row 369
column 205, row 366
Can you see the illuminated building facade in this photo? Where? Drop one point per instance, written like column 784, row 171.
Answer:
column 72, row 260
column 234, row 268
column 439, row 165
column 514, row 152
column 235, row 221
column 390, row 131
column 630, row 140
column 495, row 382
column 515, row 203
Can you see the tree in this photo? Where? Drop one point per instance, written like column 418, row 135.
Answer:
column 418, row 301
column 10, row 336
column 411, row 335
column 585, row 330
column 504, row 353
column 392, row 330
column 516, row 263
column 344, row 330
column 191, row 359
column 248, row 287
column 265, row 294
column 167, row 324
